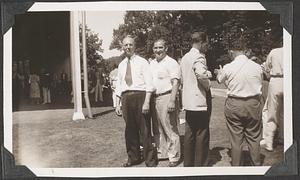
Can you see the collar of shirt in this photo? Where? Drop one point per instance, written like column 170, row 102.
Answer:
column 195, row 50
column 131, row 58
column 164, row 59
column 241, row 57
column 141, row 76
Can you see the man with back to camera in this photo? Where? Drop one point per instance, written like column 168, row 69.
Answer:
column 196, row 103
column 133, row 88
column 243, row 79
column 166, row 74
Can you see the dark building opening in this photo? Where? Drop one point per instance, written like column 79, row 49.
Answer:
column 41, row 42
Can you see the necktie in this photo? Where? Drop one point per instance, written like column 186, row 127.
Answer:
column 128, row 76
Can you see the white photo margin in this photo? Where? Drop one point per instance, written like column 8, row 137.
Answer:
column 143, row 172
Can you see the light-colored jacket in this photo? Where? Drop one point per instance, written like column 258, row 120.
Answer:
column 194, row 80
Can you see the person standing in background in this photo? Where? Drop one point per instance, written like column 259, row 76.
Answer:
column 99, row 85
column 113, row 77
column 64, row 83
column 45, row 81
column 34, row 91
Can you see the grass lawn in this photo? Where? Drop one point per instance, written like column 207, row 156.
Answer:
column 50, row 138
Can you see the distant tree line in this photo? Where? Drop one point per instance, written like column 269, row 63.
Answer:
column 259, row 29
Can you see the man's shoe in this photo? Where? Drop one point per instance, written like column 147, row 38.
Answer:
column 129, row 164
column 173, row 164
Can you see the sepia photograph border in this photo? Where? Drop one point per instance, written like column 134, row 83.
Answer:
column 288, row 167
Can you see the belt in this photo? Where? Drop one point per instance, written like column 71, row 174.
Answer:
column 277, row 76
column 245, row 98
column 161, row 94
column 132, row 91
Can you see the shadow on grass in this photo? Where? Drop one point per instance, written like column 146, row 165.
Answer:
column 246, row 158
column 214, row 154
column 103, row 113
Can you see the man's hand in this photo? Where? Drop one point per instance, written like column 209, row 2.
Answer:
column 217, row 71
column 209, row 75
column 146, row 108
column 118, row 110
column 171, row 106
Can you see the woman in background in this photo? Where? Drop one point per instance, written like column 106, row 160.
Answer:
column 35, row 93
column 99, row 85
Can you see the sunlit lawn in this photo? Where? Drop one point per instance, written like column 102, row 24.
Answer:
column 51, row 139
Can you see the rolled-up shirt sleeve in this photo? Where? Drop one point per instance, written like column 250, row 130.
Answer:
column 201, row 73
column 267, row 65
column 148, row 77
column 221, row 77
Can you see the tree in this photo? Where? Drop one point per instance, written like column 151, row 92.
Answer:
column 93, row 46
column 259, row 29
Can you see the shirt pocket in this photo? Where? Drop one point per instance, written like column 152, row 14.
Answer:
column 139, row 77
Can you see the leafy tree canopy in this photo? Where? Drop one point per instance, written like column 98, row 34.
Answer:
column 93, row 46
column 259, row 29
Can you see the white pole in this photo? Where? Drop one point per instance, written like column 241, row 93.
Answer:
column 75, row 59
column 85, row 74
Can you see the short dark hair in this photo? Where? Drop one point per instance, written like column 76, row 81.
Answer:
column 199, row 37
column 238, row 44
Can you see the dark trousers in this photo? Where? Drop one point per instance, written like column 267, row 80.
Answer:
column 196, row 138
column 243, row 119
column 138, row 126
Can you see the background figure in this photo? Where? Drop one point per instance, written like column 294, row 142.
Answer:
column 273, row 116
column 113, row 80
column 243, row 79
column 34, row 91
column 135, row 86
column 91, row 81
column 15, row 85
column 166, row 74
column 64, row 83
column 196, row 85
column 54, row 85
column 99, row 85
column 45, row 81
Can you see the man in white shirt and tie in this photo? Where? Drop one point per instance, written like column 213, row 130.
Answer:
column 134, row 88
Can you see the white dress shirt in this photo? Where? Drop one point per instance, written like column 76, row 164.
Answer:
column 242, row 77
column 141, row 75
column 163, row 72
